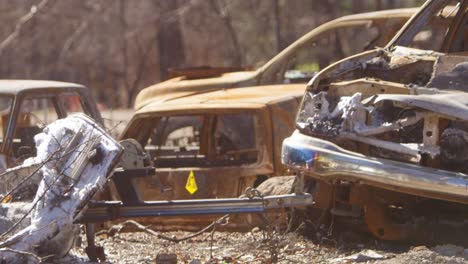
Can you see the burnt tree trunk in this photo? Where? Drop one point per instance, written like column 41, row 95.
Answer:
column 277, row 25
column 170, row 39
column 124, row 51
column 359, row 5
column 223, row 13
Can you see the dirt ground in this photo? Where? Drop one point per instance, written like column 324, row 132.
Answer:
column 257, row 247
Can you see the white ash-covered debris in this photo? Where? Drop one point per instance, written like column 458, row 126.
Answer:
column 76, row 156
column 393, row 115
column 347, row 114
column 10, row 213
column 363, row 256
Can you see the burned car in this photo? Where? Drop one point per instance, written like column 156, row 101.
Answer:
column 323, row 45
column 27, row 106
column 381, row 136
column 223, row 141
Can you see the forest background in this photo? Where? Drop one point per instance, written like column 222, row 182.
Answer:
column 118, row 47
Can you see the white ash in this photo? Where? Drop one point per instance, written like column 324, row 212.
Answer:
column 317, row 106
column 349, row 114
column 10, row 213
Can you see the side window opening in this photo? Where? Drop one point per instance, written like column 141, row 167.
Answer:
column 72, row 103
column 368, row 36
column 460, row 42
column 430, row 37
column 34, row 114
column 202, row 140
column 176, row 136
column 431, row 32
column 235, row 137
column 327, row 48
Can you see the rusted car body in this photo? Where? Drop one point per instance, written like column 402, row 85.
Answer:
column 382, row 135
column 229, row 139
column 28, row 105
column 323, row 45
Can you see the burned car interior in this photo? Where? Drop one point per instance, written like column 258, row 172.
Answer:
column 35, row 112
column 228, row 139
column 200, row 140
column 28, row 106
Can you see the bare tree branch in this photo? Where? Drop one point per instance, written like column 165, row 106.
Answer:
column 21, row 22
column 123, row 31
column 69, row 42
column 140, row 71
column 171, row 16
column 118, row 228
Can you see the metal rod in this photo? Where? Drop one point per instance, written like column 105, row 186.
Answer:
column 108, row 210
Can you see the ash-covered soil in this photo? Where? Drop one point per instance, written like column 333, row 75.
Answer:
column 260, row 247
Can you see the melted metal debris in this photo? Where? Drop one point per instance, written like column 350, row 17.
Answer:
column 83, row 156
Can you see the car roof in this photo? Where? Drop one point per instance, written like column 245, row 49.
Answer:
column 14, row 87
column 181, row 86
column 254, row 97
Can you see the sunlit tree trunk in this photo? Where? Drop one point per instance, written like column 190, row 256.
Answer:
column 277, row 25
column 170, row 40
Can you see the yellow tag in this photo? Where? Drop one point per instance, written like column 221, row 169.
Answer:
column 191, row 184
column 6, row 199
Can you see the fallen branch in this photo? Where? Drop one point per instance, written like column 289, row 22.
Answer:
column 211, row 239
column 118, row 228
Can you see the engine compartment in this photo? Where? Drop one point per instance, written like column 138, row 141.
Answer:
column 407, row 105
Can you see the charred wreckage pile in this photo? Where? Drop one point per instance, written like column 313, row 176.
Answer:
column 42, row 198
column 384, row 135
column 422, row 119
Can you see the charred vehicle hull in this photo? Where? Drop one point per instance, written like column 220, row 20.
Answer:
column 222, row 142
column 382, row 135
column 227, row 174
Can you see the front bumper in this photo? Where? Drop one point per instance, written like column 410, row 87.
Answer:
column 325, row 160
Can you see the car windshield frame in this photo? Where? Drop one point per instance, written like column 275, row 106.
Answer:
column 6, row 123
column 404, row 37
